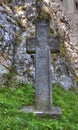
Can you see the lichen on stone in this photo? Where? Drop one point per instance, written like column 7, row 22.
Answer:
column 43, row 11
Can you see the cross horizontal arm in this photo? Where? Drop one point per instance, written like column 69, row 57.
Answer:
column 31, row 45
column 54, row 44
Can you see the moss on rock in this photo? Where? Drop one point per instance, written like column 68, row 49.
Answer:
column 43, row 11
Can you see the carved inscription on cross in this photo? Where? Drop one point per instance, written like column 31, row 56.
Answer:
column 42, row 45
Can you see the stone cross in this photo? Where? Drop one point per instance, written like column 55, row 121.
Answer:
column 42, row 45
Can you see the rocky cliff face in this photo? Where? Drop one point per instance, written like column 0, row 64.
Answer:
column 17, row 23
column 67, row 24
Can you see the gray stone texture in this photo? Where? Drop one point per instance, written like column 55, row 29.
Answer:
column 43, row 80
column 54, row 113
column 71, row 6
column 67, row 25
column 43, row 97
column 43, row 71
column 43, row 66
column 53, row 42
column 62, row 21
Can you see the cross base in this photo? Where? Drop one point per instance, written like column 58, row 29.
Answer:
column 54, row 113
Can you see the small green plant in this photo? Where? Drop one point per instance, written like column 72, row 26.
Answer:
column 9, row 79
column 1, row 39
column 43, row 11
column 1, row 26
column 51, row 31
column 28, row 71
column 18, row 21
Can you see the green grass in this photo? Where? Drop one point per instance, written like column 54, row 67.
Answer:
column 12, row 99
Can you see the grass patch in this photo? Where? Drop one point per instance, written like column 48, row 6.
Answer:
column 12, row 99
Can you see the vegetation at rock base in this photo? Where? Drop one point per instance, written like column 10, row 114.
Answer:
column 12, row 99
column 43, row 11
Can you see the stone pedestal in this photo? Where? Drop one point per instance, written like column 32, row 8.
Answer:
column 54, row 113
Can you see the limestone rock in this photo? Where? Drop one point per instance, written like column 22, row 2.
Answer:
column 17, row 21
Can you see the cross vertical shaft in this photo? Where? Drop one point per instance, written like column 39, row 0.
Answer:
column 43, row 71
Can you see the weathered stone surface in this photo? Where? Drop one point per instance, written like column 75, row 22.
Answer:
column 62, row 22
column 43, row 80
column 67, row 24
column 71, row 6
column 43, row 73
column 54, row 44
column 10, row 28
column 62, row 72
column 43, row 97
column 54, row 113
